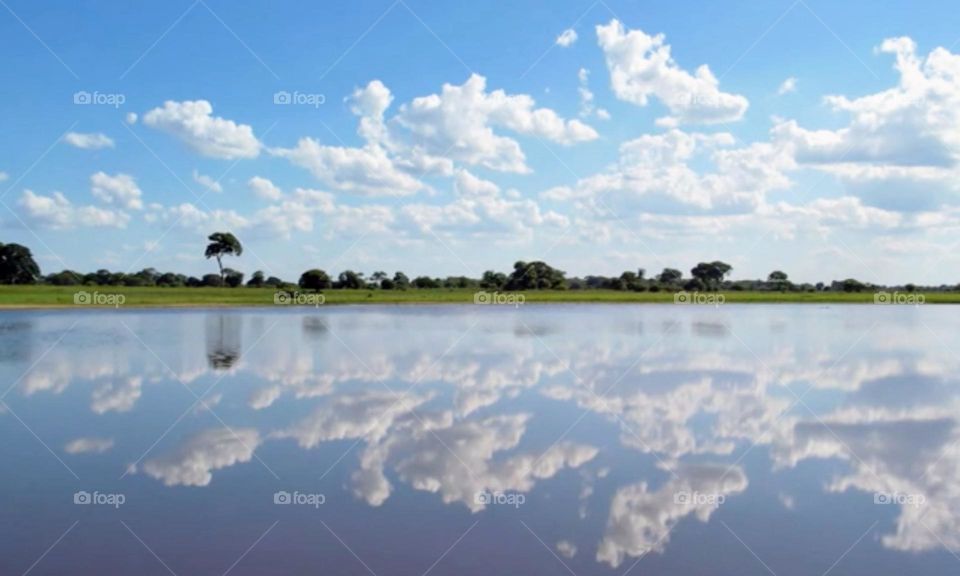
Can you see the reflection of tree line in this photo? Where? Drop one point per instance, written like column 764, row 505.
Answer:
column 224, row 335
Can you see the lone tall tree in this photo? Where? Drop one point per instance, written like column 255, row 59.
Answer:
column 223, row 244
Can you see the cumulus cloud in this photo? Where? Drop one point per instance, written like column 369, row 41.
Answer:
column 120, row 189
column 89, row 141
column 656, row 174
column 641, row 66
column 193, row 122
column 567, row 38
column 193, row 462
column 58, row 213
column 207, row 182
column 88, row 445
column 118, row 395
column 459, row 123
column 264, row 188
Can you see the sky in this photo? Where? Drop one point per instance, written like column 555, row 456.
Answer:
column 449, row 138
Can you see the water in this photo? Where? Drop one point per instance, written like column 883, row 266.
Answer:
column 482, row 440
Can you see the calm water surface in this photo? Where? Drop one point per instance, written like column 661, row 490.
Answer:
column 482, row 440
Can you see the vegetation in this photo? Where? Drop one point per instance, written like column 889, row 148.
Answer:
column 539, row 282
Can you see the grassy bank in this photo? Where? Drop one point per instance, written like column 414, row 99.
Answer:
column 63, row 296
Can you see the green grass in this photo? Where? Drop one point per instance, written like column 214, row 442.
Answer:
column 63, row 296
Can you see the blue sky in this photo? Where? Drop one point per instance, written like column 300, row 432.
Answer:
column 449, row 138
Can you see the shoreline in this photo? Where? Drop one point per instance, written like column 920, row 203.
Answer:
column 20, row 298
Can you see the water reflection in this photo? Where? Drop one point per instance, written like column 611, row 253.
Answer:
column 636, row 434
column 224, row 333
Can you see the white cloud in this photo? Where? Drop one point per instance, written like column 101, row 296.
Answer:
column 58, row 213
column 788, row 86
column 264, row 188
column 567, row 38
column 364, row 171
column 641, row 66
column 131, row 118
column 116, row 395
column 193, row 463
column 459, row 123
column 207, row 182
column 193, row 123
column 88, row 446
column 901, row 147
column 566, row 548
column 656, row 174
column 91, row 141
column 120, row 189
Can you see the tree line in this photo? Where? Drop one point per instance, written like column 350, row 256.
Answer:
column 17, row 266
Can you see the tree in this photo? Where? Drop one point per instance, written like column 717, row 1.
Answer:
column 670, row 276
column 222, row 244
column 211, row 280
column 535, row 276
column 315, row 280
column 350, row 280
column 425, row 282
column 711, row 274
column 17, row 265
column 493, row 280
column 779, row 280
column 232, row 278
column 378, row 277
column 257, row 280
column 400, row 281
column 65, row 278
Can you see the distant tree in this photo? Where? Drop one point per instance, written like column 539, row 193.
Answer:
column 670, row 276
column 232, row 278
column 211, row 280
column 425, row 282
column 350, row 280
column 387, row 284
column 910, row 288
column 274, row 282
column 400, row 281
column 852, row 285
column 711, row 274
column 194, row 282
column 778, row 280
column 170, row 279
column 222, row 244
column 65, row 278
column 17, row 265
column 257, row 280
column 535, row 276
column 493, row 280
column 315, row 280
column 378, row 277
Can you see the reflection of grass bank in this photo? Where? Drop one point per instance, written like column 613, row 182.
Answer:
column 63, row 296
